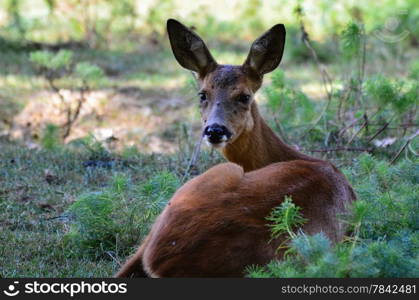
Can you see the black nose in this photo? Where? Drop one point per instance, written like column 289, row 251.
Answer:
column 215, row 133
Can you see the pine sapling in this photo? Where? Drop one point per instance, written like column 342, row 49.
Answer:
column 284, row 219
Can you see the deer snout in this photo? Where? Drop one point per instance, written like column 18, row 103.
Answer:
column 216, row 134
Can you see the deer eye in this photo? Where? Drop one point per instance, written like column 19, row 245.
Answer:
column 243, row 98
column 202, row 96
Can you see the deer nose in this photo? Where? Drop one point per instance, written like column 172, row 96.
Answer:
column 216, row 133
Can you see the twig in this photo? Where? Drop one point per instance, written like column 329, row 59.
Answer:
column 55, row 218
column 353, row 123
column 341, row 101
column 379, row 131
column 118, row 262
column 413, row 151
column 361, row 67
column 402, row 126
column 404, row 146
column 195, row 81
column 56, row 90
column 73, row 116
column 367, row 122
column 327, row 82
column 342, row 149
column 356, row 133
column 280, row 130
column 197, row 148
column 194, row 158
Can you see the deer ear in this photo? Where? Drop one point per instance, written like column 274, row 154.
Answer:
column 266, row 52
column 189, row 49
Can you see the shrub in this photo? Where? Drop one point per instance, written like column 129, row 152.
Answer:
column 47, row 60
column 284, row 218
column 88, row 73
column 117, row 218
column 50, row 139
column 292, row 107
column 383, row 223
column 351, row 40
column 53, row 66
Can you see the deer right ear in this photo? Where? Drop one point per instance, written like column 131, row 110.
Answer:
column 189, row 49
column 266, row 52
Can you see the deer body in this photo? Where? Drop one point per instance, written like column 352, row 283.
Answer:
column 215, row 225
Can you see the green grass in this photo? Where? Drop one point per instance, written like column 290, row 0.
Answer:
column 50, row 226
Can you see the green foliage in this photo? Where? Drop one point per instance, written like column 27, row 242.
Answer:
column 414, row 71
column 51, row 60
column 95, row 148
column 88, row 72
column 118, row 217
column 399, row 95
column 381, row 90
column 284, row 218
column 51, row 139
column 13, row 9
column 284, row 102
column 388, row 196
column 93, row 229
column 384, row 224
column 47, row 62
column 157, row 15
column 351, row 40
column 311, row 248
column 379, row 100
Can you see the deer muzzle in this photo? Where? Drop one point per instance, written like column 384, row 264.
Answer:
column 216, row 135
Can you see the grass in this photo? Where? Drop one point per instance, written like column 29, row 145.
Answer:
column 43, row 195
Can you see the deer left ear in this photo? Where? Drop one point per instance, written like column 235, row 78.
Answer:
column 266, row 52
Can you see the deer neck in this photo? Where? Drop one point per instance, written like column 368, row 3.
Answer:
column 260, row 146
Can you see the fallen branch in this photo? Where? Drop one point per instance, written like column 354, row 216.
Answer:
column 379, row 131
column 357, row 132
column 354, row 122
column 409, row 139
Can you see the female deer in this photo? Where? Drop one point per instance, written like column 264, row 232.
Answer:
column 215, row 224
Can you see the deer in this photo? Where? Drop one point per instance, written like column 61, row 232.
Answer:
column 215, row 224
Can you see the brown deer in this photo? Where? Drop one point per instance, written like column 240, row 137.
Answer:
column 215, row 225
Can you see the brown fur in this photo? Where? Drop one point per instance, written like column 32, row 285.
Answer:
column 259, row 147
column 215, row 225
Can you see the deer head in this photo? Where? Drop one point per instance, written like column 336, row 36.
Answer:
column 226, row 92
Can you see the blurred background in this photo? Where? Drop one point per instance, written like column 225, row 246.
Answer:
column 91, row 98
